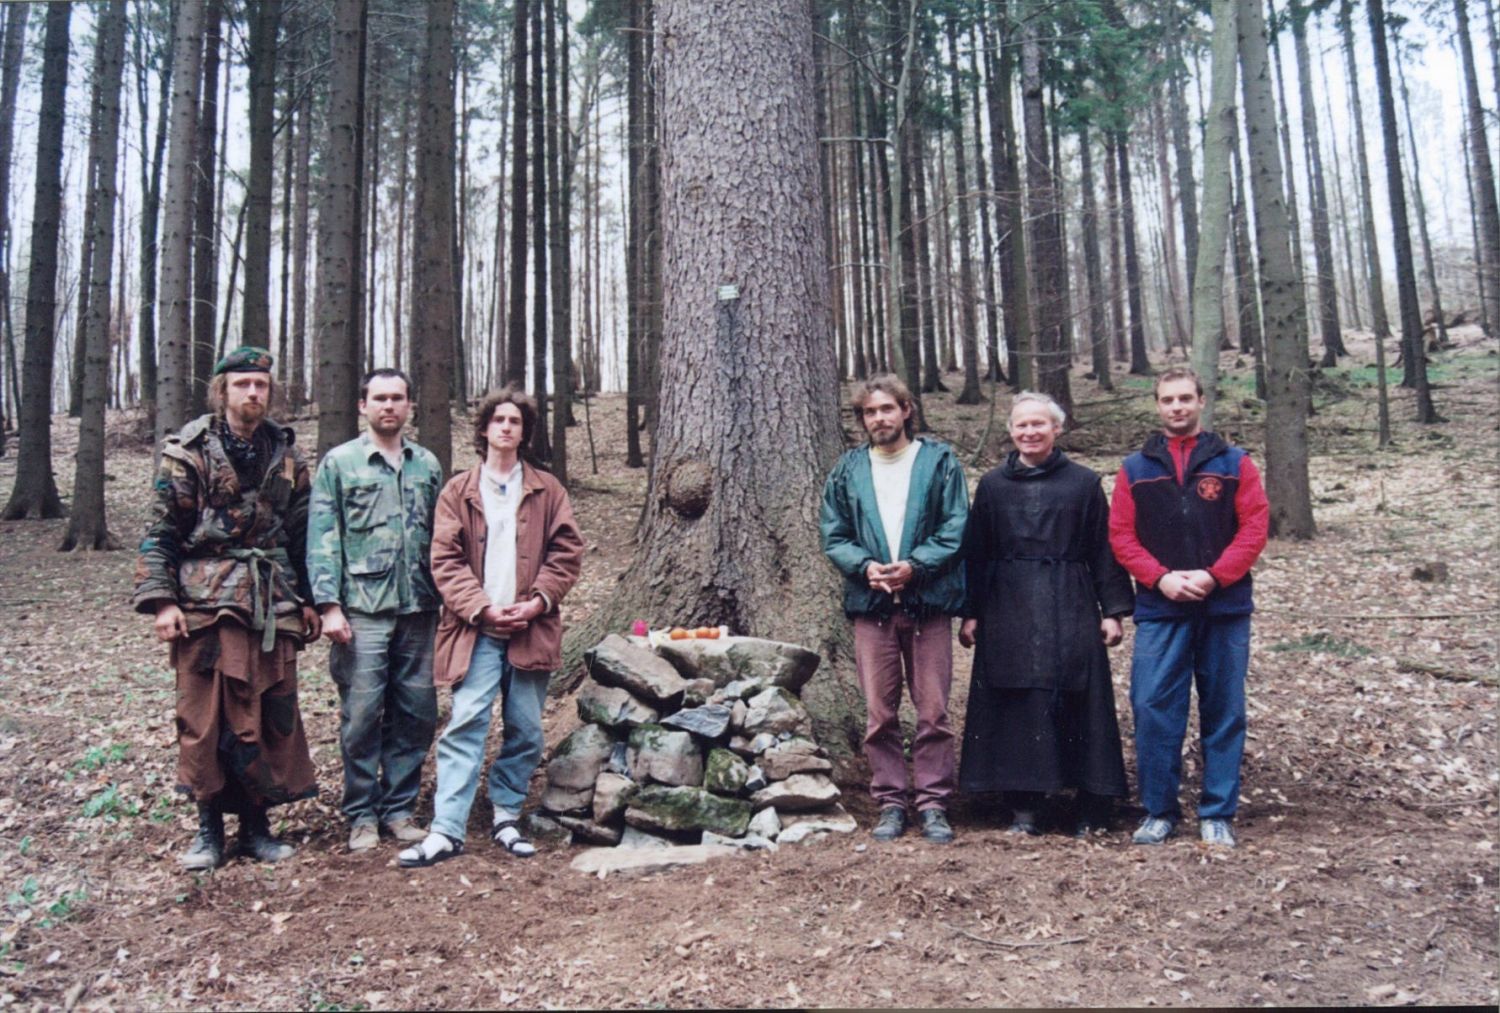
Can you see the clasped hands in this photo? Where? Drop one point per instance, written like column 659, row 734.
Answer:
column 1186, row 585
column 512, row 618
column 888, row 577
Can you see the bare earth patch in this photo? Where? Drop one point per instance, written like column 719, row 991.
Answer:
column 1366, row 873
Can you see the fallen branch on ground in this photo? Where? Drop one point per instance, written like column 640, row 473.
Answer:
column 1448, row 674
column 1006, row 944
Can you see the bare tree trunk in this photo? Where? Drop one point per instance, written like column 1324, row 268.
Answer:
column 1093, row 269
column 515, row 343
column 1439, row 325
column 432, row 240
column 1116, row 264
column 982, row 200
column 206, row 238
column 92, row 171
column 1483, row 168
column 1413, row 353
column 557, row 241
column 297, row 388
column 87, row 527
column 1182, row 145
column 1140, row 364
column 1010, row 217
column 1480, row 270
column 265, row 22
column 1175, row 305
column 340, row 219
column 968, row 318
column 1050, row 367
column 932, row 375
column 1246, row 278
column 635, row 326
column 1284, row 124
column 15, row 35
column 174, row 370
column 747, row 426
column 1328, row 297
column 288, row 177
column 1378, row 319
column 35, row 491
column 898, row 208
column 1208, row 276
column 541, row 438
column 1287, row 484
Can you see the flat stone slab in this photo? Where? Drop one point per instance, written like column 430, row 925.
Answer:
column 603, row 862
column 805, row 827
column 590, row 832
column 728, row 659
column 779, row 764
column 798, row 793
column 673, row 810
column 776, row 711
column 614, row 661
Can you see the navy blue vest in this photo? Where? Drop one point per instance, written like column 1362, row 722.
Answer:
column 1187, row 525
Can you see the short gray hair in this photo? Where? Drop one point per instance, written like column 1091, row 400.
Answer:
column 1053, row 408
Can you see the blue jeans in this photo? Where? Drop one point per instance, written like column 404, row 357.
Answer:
column 460, row 750
column 1170, row 656
column 387, row 712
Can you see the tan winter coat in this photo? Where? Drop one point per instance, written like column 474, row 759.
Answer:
column 549, row 553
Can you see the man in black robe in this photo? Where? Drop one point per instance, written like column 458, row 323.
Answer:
column 1045, row 597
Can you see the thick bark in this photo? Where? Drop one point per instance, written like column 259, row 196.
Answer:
column 635, row 119
column 540, row 439
column 1092, row 267
column 86, row 237
column 1483, row 168
column 265, row 21
column 1414, row 355
column 1208, row 276
column 301, row 234
column 340, row 220
column 35, row 491
column 1284, row 124
column 1281, row 292
column 15, row 35
column 1479, row 264
column 1050, row 367
column 1379, row 320
column 87, row 527
column 898, row 205
column 432, row 323
column 557, row 241
column 745, row 405
column 288, row 177
column 515, row 340
column 205, row 215
column 968, row 317
column 1328, row 298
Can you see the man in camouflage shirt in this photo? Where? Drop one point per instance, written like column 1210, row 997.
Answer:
column 368, row 545
column 221, row 569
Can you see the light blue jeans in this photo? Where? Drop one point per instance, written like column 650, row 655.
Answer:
column 460, row 750
column 387, row 712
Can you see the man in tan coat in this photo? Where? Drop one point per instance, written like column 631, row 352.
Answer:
column 505, row 551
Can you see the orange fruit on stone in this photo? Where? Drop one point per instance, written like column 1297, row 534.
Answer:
column 678, row 633
column 704, row 633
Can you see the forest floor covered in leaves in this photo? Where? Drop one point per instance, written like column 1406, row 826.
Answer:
column 1366, row 871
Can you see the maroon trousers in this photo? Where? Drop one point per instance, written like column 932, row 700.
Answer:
column 889, row 653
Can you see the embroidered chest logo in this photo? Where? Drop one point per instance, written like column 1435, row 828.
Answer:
column 1210, row 488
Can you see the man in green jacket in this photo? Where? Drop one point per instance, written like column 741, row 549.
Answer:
column 368, row 546
column 892, row 521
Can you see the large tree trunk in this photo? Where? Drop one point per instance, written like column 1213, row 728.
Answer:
column 1116, row 261
column 86, row 237
column 1483, row 167
column 986, row 236
column 1246, row 280
column 35, row 491
column 206, row 240
column 1429, row 267
column 747, row 429
column 1281, row 293
column 635, row 317
column 15, row 36
column 1328, row 298
column 265, row 20
column 1413, row 352
column 968, row 318
column 1010, row 217
column 540, row 439
column 1182, row 146
column 1140, row 364
column 558, row 232
column 1050, row 368
column 1208, row 275
column 174, row 369
column 432, row 240
column 339, row 304
column 87, row 528
column 297, row 369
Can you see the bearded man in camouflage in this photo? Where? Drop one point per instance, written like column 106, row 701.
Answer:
column 222, row 570
column 368, row 547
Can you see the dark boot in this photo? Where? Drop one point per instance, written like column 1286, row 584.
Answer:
column 207, row 850
column 256, row 840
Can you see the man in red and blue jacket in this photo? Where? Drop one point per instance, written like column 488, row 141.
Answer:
column 1188, row 519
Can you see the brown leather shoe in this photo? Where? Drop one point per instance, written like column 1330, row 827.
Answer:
column 405, row 831
column 364, row 837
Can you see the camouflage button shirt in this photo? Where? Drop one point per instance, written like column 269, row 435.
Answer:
column 369, row 539
column 204, row 525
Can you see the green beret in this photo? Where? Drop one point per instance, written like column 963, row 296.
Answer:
column 245, row 359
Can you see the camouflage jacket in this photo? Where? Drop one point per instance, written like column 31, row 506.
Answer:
column 369, row 535
column 216, row 549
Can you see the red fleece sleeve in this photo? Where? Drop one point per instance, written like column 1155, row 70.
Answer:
column 1132, row 555
column 1253, row 511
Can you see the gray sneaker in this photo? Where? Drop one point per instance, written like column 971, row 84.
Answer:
column 1153, row 830
column 1216, row 832
column 935, row 826
column 891, row 825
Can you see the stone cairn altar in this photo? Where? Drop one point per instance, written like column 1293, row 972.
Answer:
column 694, row 742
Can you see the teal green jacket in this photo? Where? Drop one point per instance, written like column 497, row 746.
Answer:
column 369, row 530
column 937, row 509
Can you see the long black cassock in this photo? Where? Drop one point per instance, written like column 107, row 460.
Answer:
column 1040, row 575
